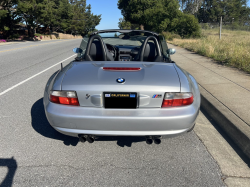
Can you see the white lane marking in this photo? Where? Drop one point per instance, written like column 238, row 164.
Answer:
column 34, row 76
column 5, row 117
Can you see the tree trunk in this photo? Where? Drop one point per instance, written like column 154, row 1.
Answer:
column 29, row 30
column 10, row 25
column 141, row 27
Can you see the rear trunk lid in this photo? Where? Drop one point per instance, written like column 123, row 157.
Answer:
column 90, row 80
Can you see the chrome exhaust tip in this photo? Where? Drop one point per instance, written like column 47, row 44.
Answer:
column 157, row 141
column 82, row 138
column 91, row 139
column 149, row 140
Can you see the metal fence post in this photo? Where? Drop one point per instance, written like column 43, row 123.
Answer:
column 220, row 25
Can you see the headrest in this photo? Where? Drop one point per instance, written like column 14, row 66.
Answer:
column 96, row 51
column 150, row 52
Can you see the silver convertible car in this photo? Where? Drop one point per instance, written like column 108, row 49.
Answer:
column 122, row 83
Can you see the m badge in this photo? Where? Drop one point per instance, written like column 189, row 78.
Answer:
column 157, row 96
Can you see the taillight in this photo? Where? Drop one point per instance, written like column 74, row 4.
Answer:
column 172, row 99
column 64, row 97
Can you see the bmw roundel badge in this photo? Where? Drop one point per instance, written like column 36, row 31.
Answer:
column 120, row 80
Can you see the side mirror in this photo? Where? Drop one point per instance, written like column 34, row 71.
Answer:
column 77, row 50
column 171, row 51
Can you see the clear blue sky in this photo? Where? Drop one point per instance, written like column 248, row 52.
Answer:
column 109, row 11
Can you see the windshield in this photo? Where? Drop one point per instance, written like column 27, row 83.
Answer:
column 133, row 39
column 121, row 39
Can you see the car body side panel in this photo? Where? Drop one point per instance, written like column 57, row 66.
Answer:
column 189, row 84
column 57, row 83
column 49, row 83
column 184, row 80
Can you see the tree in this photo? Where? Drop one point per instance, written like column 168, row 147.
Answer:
column 79, row 16
column 231, row 11
column 123, row 24
column 68, row 16
column 158, row 15
column 134, row 11
column 186, row 26
column 83, row 20
column 8, row 16
column 192, row 6
column 91, row 21
column 65, row 12
column 30, row 11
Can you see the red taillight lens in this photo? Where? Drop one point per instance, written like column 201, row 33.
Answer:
column 177, row 99
column 54, row 99
column 120, row 69
column 64, row 97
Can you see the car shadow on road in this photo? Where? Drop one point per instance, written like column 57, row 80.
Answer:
column 11, row 164
column 122, row 141
column 42, row 126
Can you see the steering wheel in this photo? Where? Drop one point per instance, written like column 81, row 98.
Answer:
column 112, row 50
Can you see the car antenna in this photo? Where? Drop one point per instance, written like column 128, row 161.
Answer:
column 61, row 66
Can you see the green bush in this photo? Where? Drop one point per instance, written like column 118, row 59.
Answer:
column 14, row 36
column 38, row 34
column 186, row 26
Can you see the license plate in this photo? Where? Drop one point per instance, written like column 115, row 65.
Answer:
column 120, row 99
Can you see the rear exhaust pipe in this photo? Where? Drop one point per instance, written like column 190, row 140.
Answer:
column 157, row 141
column 90, row 139
column 82, row 138
column 149, row 140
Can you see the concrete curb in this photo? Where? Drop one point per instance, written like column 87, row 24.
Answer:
column 232, row 125
column 8, row 43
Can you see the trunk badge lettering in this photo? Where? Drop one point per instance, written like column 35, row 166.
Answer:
column 87, row 96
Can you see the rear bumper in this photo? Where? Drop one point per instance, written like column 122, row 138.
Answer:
column 71, row 120
column 75, row 132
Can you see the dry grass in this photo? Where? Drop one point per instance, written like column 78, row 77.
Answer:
column 233, row 49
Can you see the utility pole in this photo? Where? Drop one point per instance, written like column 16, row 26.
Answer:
column 220, row 25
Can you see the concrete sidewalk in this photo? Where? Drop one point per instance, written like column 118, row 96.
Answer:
column 225, row 94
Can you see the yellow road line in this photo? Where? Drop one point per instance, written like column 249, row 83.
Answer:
column 27, row 46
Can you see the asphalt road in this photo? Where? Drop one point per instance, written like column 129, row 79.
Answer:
column 33, row 154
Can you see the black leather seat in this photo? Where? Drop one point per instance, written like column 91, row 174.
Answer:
column 97, row 52
column 150, row 52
